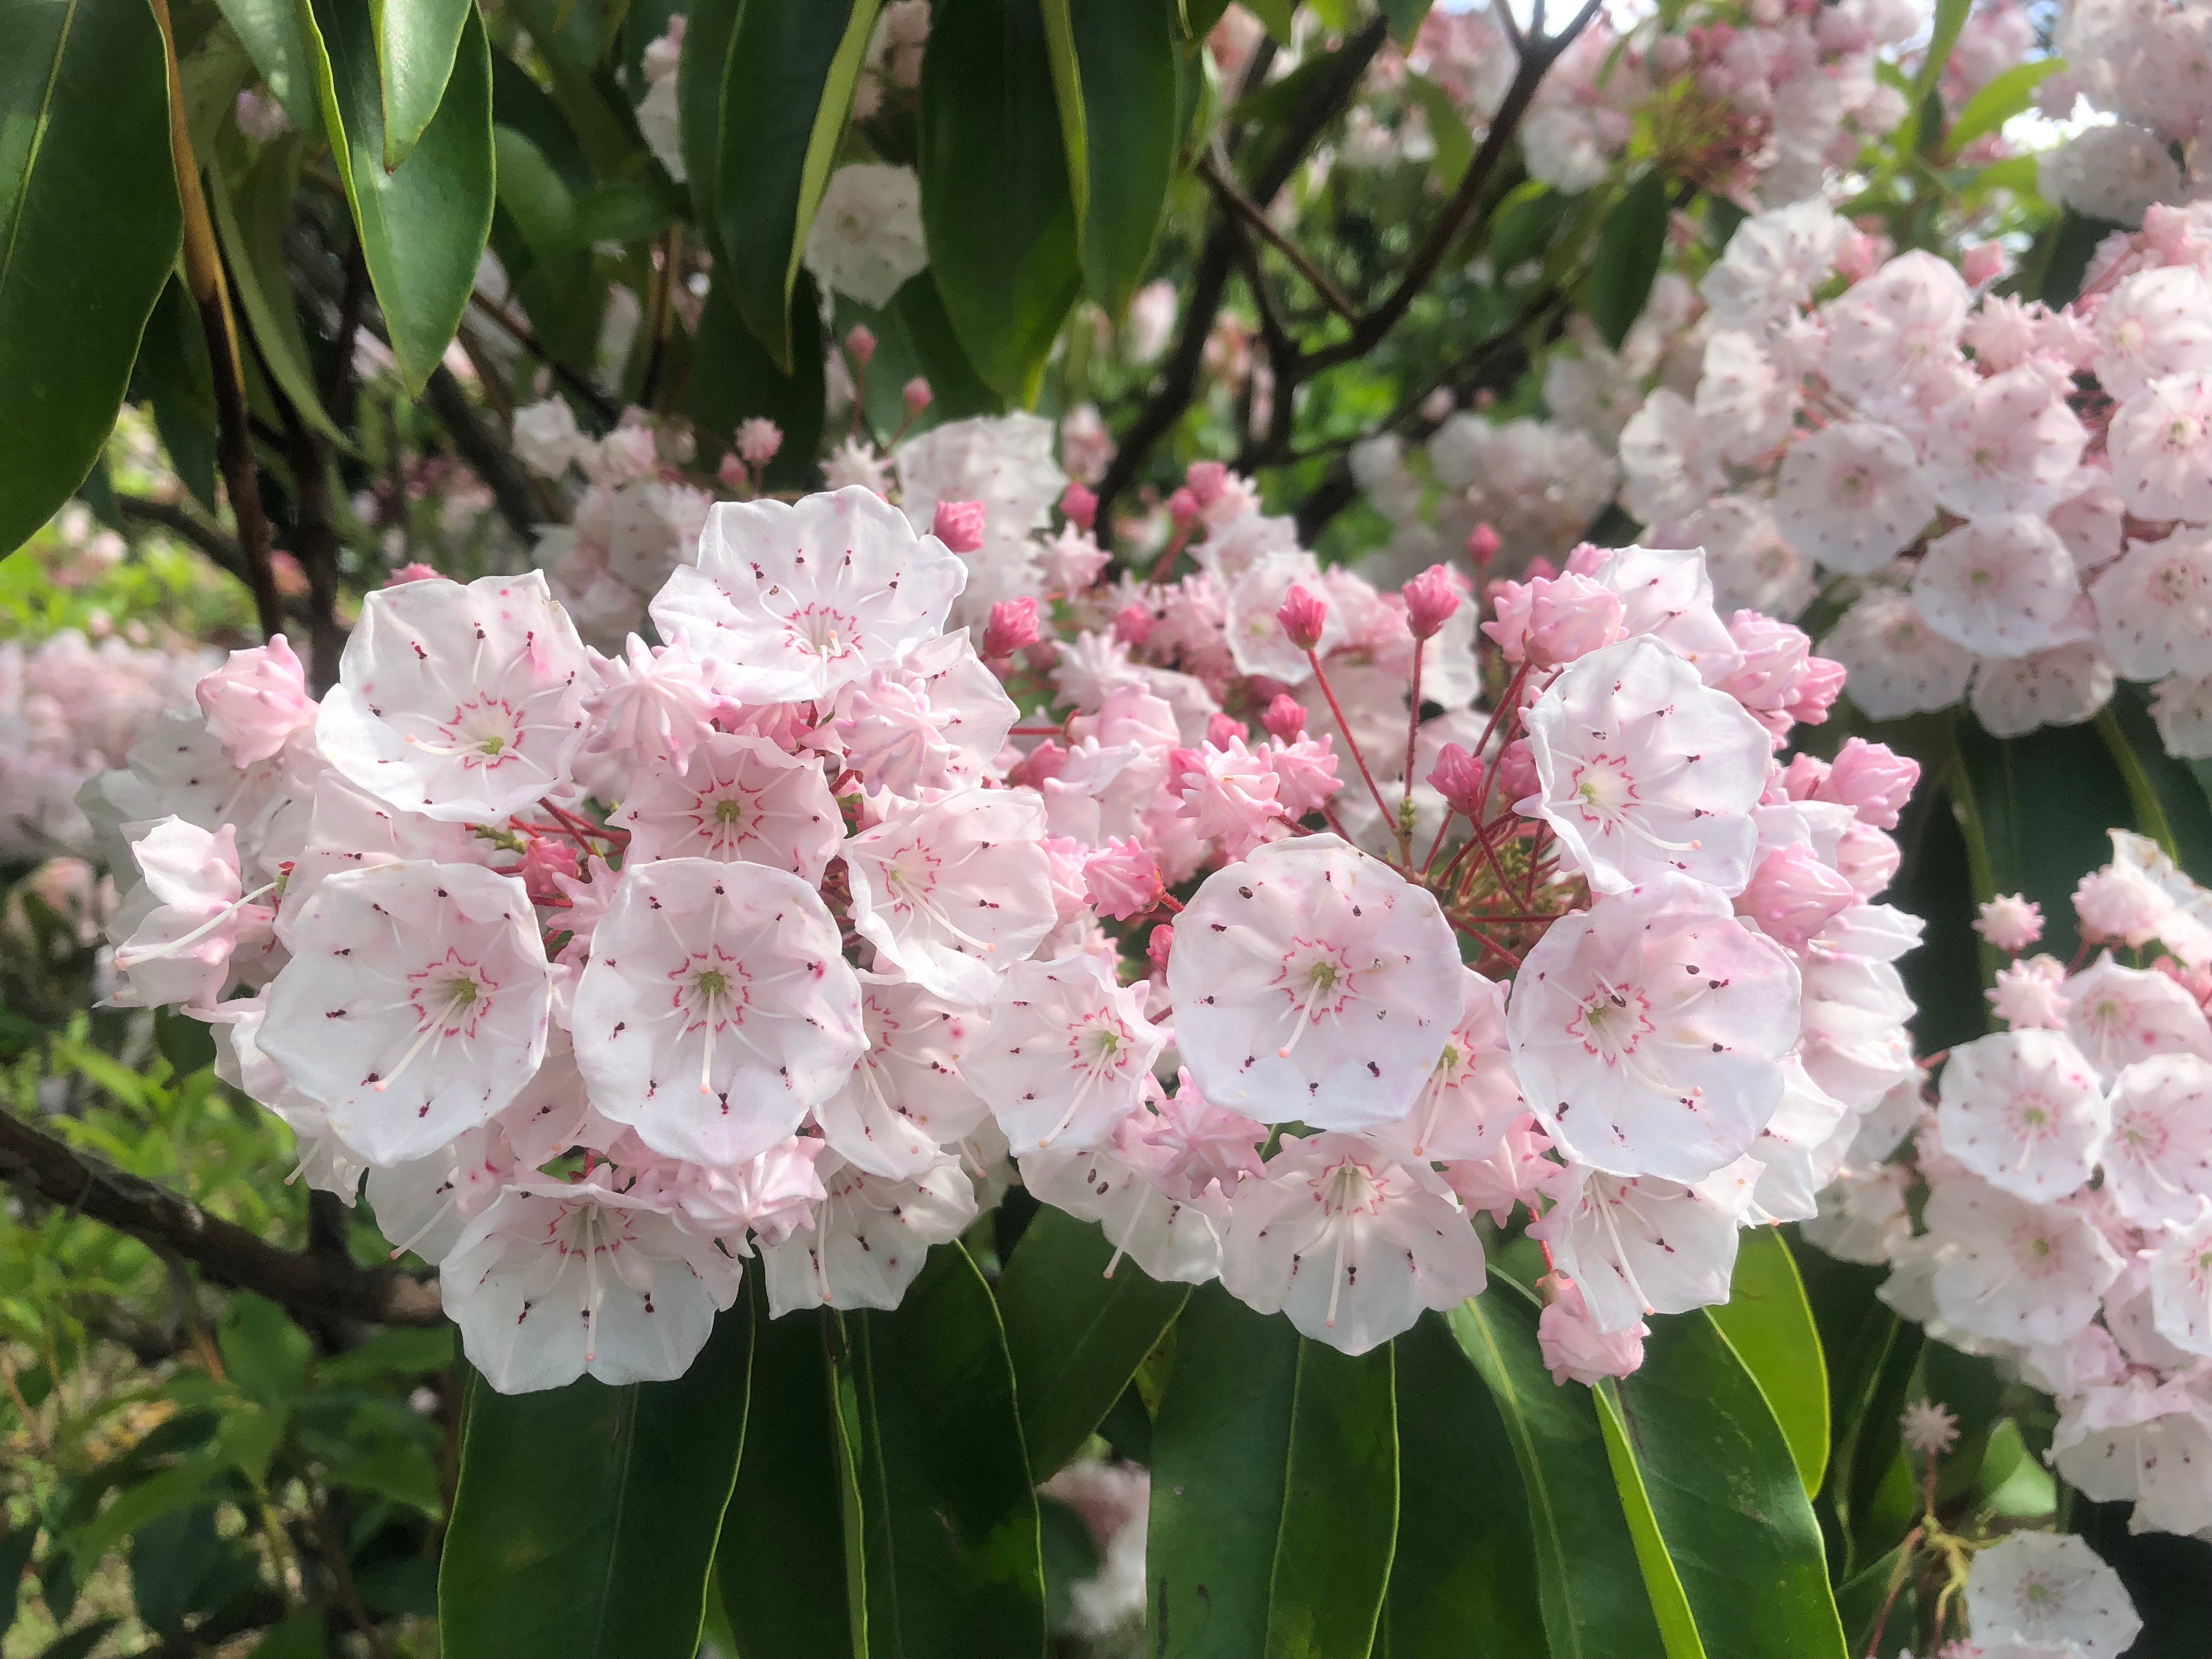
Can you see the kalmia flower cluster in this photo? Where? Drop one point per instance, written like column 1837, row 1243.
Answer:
column 2052, row 1207
column 2014, row 500
column 778, row 935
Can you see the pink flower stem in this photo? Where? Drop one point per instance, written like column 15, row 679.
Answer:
column 1176, row 542
column 1351, row 743
column 1413, row 722
column 1038, row 732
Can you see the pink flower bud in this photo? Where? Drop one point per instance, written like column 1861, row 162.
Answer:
column 733, row 472
column 1079, row 506
column 1799, row 780
column 1220, row 728
column 1457, row 776
column 1302, row 616
column 1586, row 559
column 758, row 440
column 1183, row 763
column 256, row 700
column 2010, row 922
column 1482, row 544
column 1984, row 261
column 1432, row 598
column 1517, row 772
column 543, row 859
column 1873, row 780
column 417, row 571
column 1206, row 480
column 1285, row 718
column 1157, row 947
column 1793, row 896
column 1122, row 878
column 2027, row 994
column 1573, row 1348
column 1133, row 624
column 1305, row 774
column 1819, row 684
column 1183, row 508
column 959, row 525
column 1012, row 627
column 2122, row 904
column 861, row 345
column 1045, row 761
column 917, row 395
column 1553, row 620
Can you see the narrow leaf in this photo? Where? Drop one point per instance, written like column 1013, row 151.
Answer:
column 1075, row 1337
column 1730, row 1514
column 1629, row 242
column 784, row 1531
column 1275, row 1491
column 584, row 1522
column 88, row 229
column 1589, row 1584
column 252, row 213
column 423, row 226
column 1769, row 1325
column 732, row 379
column 1067, row 93
column 996, row 209
column 2003, row 96
column 1466, row 1562
column 1128, row 55
column 700, row 67
column 953, row 1563
column 1406, row 17
column 787, row 98
column 269, row 31
column 416, row 40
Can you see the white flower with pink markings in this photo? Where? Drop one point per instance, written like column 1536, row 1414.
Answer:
column 1068, row 1053
column 907, row 1098
column 739, row 798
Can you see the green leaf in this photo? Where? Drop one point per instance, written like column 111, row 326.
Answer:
column 700, row 66
column 2041, row 806
column 1589, row 1583
column 16, row 1549
column 1076, row 1336
column 171, row 374
column 519, row 103
column 269, row 31
column 1701, row 1456
column 1466, row 1562
column 787, row 97
column 585, row 1517
column 1630, row 241
column 416, row 40
column 2003, row 96
column 995, row 206
column 1454, row 143
column 1128, row 55
column 301, row 1635
column 423, row 225
column 1067, row 95
column 535, row 197
column 2170, row 806
column 785, row 1533
column 1524, row 224
column 1950, row 19
column 1279, row 17
column 1769, row 1325
column 1275, row 1491
column 252, row 214
column 1404, row 18
column 89, row 227
column 179, row 1487
column 390, row 1355
column 948, row 1514
column 264, row 1352
column 732, row 379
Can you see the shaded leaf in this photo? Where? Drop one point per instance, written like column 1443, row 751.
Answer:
column 1769, row 1325
column 1127, row 53
column 732, row 379
column 1075, row 1336
column 252, row 213
column 585, row 1516
column 269, row 31
column 415, row 43
column 86, row 86
column 1630, row 240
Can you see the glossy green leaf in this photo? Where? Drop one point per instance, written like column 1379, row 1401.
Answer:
column 1076, row 1336
column 733, row 380
column 700, row 67
column 1731, row 1518
column 786, row 98
column 519, row 103
column 252, row 214
column 953, row 1566
column 88, row 230
column 1275, row 1491
column 1067, row 96
column 1769, row 1325
column 1127, row 53
column 2003, row 96
column 995, row 206
column 535, row 197
column 1466, row 1565
column 1590, row 1587
column 423, row 226
column 584, row 1522
column 784, row 1536
column 270, row 30
column 416, row 40
column 172, row 374
column 2041, row 806
column 1630, row 240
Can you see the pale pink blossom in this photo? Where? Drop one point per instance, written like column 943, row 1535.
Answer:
column 1068, row 1053
column 1574, row 1349
column 2002, row 587
column 2158, row 1159
column 907, row 1098
column 257, row 702
column 1640, row 1245
column 740, row 797
column 870, row 1238
column 2120, row 1015
column 2025, row 1111
column 1898, row 663
column 2028, row 994
column 2015, row 1271
column 181, row 927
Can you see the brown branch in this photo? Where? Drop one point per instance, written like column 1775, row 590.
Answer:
column 180, row 520
column 511, row 488
column 211, row 294
column 1232, row 196
column 314, row 1289
column 598, row 401
column 1178, row 383
column 315, row 534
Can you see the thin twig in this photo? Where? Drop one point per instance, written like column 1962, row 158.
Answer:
column 1245, row 208
column 512, row 490
column 598, row 401
column 313, row 1288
